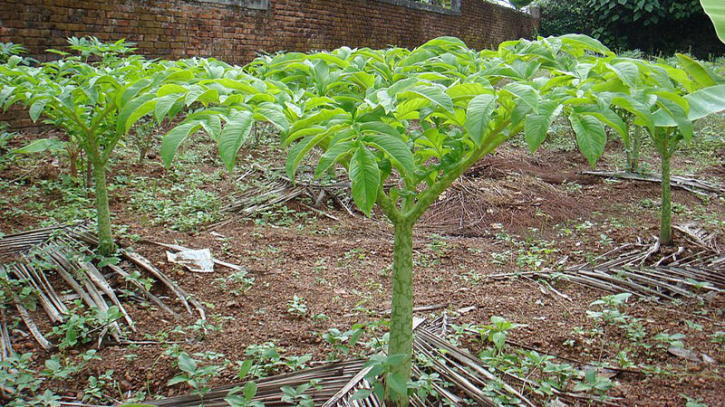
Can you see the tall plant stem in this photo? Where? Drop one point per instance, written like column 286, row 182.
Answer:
column 401, row 319
column 106, row 247
column 666, row 214
column 634, row 154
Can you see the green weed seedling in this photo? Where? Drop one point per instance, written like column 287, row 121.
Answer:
column 342, row 342
column 297, row 396
column 242, row 396
column 194, row 375
column 297, row 307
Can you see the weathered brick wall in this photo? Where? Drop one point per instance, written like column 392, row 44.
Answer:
column 173, row 29
column 180, row 28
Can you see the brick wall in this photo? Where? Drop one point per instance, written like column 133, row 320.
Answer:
column 235, row 30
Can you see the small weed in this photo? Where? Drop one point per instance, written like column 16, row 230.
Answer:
column 297, row 307
column 194, row 375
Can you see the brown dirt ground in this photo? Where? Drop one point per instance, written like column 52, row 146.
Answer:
column 340, row 266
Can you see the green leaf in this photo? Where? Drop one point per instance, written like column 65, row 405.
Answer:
column 627, row 72
column 696, row 70
column 245, row 368
column 130, row 92
column 365, row 177
column 299, row 150
column 238, row 86
column 715, row 9
column 360, row 395
column 435, row 94
column 40, row 145
column 332, row 155
column 272, row 113
column 174, row 138
column 706, row 101
column 478, row 116
column 140, row 112
column 397, row 383
column 499, row 340
column 212, row 125
column 234, row 134
column 5, row 93
column 399, row 153
column 679, row 115
column 186, row 363
column 123, row 122
column 52, row 364
column 590, row 136
column 177, row 380
column 396, row 359
column 642, row 112
column 525, row 93
column 37, row 109
column 585, row 42
column 169, row 89
column 537, row 126
column 466, row 91
column 164, row 104
column 250, row 390
column 318, row 117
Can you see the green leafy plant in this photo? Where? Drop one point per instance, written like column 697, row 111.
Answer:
column 665, row 340
column 243, row 396
column 496, row 332
column 403, row 124
column 92, row 100
column 297, row 307
column 719, row 338
column 593, row 382
column 342, row 342
column 238, row 283
column 82, row 326
column 297, row 396
column 194, row 375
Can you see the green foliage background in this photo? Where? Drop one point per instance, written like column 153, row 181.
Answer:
column 654, row 26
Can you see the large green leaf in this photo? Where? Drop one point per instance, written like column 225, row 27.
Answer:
column 716, row 10
column 525, row 94
column 140, row 112
column 627, row 72
column 435, row 94
column 365, row 177
column 396, row 149
column 40, row 145
column 318, row 117
column 466, row 91
column 333, row 155
column 696, row 70
column 234, row 134
column 37, row 109
column 642, row 112
column 706, row 101
column 299, row 150
column 164, row 104
column 174, row 138
column 478, row 116
column 124, row 121
column 590, row 136
column 272, row 113
column 537, row 126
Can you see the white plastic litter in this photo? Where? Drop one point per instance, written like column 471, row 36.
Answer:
column 198, row 261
